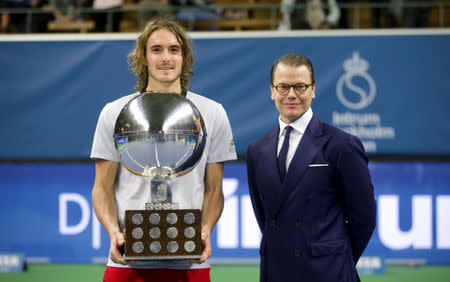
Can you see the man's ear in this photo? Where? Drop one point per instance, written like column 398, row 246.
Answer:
column 273, row 92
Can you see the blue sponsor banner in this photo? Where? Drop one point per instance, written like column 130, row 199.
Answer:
column 367, row 84
column 47, row 210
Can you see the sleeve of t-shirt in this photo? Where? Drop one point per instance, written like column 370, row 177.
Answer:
column 103, row 144
column 222, row 144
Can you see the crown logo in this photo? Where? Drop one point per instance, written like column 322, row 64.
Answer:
column 356, row 64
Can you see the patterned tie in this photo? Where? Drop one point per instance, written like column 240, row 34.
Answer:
column 283, row 153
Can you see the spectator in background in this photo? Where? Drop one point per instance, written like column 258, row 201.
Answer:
column 4, row 18
column 4, row 23
column 317, row 14
column 387, row 14
column 343, row 20
column 416, row 16
column 286, row 8
column 101, row 18
column 145, row 15
column 67, row 10
column 18, row 22
column 210, row 11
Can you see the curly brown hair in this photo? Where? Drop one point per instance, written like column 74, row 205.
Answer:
column 137, row 57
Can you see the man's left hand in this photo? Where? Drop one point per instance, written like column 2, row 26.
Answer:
column 206, row 242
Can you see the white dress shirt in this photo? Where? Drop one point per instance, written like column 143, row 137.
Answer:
column 299, row 127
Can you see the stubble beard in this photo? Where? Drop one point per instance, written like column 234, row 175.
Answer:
column 164, row 82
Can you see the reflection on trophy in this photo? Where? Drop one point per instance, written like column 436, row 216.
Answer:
column 160, row 136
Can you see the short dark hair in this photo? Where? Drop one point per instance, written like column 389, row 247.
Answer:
column 294, row 60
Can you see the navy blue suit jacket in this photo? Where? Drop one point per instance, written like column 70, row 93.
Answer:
column 318, row 221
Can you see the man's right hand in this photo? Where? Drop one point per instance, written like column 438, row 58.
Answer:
column 117, row 243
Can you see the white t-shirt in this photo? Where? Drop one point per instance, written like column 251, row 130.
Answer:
column 132, row 192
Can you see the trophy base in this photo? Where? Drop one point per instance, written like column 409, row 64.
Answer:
column 162, row 258
column 162, row 234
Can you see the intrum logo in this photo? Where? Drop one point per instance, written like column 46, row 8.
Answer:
column 355, row 67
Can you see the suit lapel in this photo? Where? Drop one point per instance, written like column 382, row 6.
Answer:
column 271, row 151
column 310, row 144
column 269, row 155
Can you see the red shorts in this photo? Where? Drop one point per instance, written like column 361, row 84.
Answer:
column 120, row 274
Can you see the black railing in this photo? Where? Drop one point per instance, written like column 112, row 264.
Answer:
column 273, row 9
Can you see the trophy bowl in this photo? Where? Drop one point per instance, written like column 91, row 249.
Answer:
column 160, row 136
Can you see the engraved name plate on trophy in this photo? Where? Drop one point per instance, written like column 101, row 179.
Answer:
column 160, row 136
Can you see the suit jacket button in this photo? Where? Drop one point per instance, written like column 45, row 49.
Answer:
column 309, row 198
column 272, row 222
column 297, row 253
column 298, row 224
column 261, row 197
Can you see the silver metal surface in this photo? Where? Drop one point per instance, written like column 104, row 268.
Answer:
column 172, row 246
column 137, row 233
column 172, row 232
column 189, row 218
column 172, row 218
column 155, row 247
column 137, row 218
column 159, row 135
column 162, row 192
column 189, row 232
column 138, row 247
column 155, row 232
column 189, row 246
column 162, row 257
column 154, row 218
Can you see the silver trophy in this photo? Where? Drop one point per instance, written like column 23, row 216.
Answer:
column 160, row 136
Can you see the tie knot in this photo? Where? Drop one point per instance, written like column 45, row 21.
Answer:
column 288, row 129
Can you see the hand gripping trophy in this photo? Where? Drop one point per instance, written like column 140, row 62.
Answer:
column 160, row 136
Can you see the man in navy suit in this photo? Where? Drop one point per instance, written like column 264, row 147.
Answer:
column 310, row 187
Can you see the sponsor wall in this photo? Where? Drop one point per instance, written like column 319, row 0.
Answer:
column 387, row 88
column 47, row 213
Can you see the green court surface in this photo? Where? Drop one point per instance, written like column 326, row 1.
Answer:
column 219, row 273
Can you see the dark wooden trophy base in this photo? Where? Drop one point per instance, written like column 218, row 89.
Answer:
column 162, row 234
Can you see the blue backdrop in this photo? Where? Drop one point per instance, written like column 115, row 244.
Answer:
column 389, row 90
column 47, row 213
